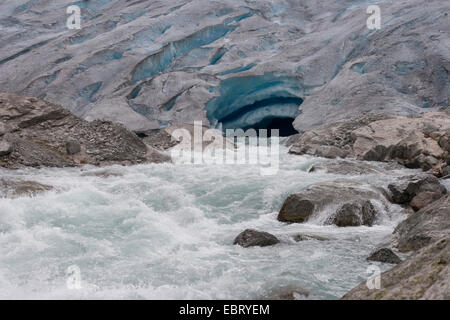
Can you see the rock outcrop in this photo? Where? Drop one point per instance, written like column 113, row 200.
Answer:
column 407, row 188
column 424, row 275
column 252, row 238
column 412, row 141
column 350, row 203
column 424, row 226
column 39, row 133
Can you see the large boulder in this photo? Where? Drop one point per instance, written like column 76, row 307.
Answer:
column 354, row 214
column 424, row 275
column 384, row 255
column 423, row 199
column 45, row 134
column 424, row 226
column 336, row 135
column 251, row 238
column 301, row 206
column 407, row 187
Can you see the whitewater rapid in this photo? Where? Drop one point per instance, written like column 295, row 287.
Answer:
column 165, row 231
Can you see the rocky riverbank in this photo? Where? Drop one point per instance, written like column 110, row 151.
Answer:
column 414, row 142
column 420, row 141
column 37, row 133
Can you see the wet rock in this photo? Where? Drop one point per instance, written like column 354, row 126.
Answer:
column 296, row 208
column 102, row 174
column 72, row 147
column 423, row 199
column 251, row 238
column 407, row 211
column 18, row 188
column 424, row 226
column 407, row 187
column 300, row 207
column 425, row 275
column 346, row 167
column 305, row 237
column 287, row 293
column 354, row 214
column 385, row 255
column 5, row 148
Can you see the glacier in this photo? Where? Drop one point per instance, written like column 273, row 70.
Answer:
column 234, row 63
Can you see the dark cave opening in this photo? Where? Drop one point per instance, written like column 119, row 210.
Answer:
column 284, row 125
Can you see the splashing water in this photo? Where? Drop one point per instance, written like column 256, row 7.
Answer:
column 165, row 231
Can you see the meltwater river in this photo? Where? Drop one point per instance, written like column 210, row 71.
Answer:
column 165, row 231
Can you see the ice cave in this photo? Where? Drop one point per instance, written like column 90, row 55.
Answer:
column 262, row 102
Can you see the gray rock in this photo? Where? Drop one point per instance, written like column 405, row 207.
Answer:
column 385, row 255
column 305, row 237
column 379, row 137
column 155, row 156
column 407, row 187
column 251, row 238
column 300, row 207
column 319, row 151
column 425, row 276
column 5, row 148
column 424, row 226
column 102, row 174
column 423, row 199
column 354, row 214
column 159, row 139
column 289, row 292
column 2, row 129
column 72, row 147
column 296, row 208
column 446, row 172
column 45, row 133
column 346, row 167
column 19, row 188
column 444, row 141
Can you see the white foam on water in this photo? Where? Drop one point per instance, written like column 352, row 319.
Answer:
column 165, row 231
